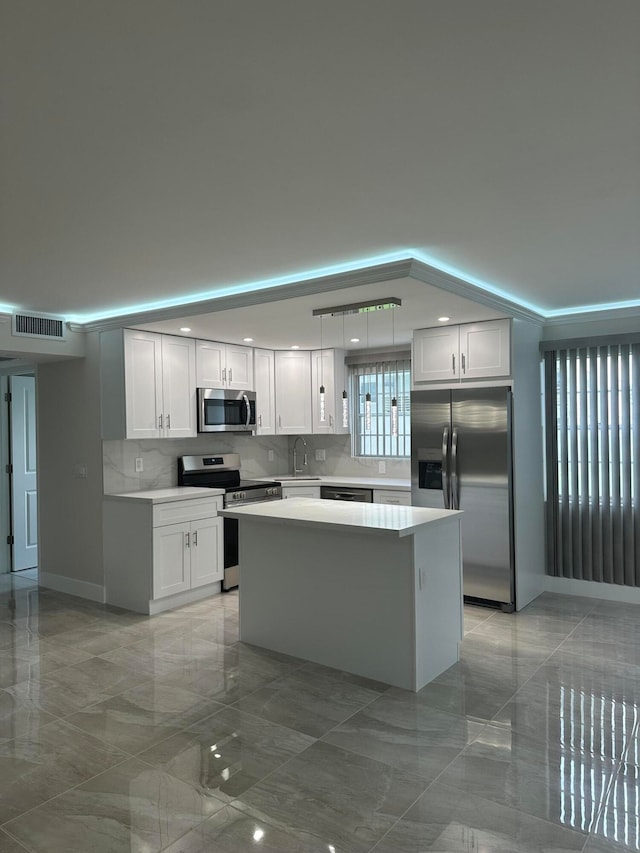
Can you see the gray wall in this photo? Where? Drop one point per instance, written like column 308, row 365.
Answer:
column 70, row 507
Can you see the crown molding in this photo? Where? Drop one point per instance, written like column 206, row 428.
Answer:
column 594, row 316
column 308, row 287
column 475, row 293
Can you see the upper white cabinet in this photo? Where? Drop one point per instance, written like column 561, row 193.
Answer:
column 293, row 392
column 327, row 368
column 458, row 353
column 224, row 366
column 264, row 376
column 148, row 385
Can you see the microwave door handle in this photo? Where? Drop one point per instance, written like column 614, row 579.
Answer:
column 246, row 402
column 445, row 468
column 455, row 488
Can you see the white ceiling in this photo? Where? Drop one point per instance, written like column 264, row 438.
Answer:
column 155, row 150
column 282, row 324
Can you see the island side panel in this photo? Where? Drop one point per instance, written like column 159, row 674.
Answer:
column 438, row 598
column 342, row 599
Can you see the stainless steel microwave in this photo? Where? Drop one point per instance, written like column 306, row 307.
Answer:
column 220, row 410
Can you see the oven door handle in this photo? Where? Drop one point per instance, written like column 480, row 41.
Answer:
column 247, row 404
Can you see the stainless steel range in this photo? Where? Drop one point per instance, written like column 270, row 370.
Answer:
column 222, row 471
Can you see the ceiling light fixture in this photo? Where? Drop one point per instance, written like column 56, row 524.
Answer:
column 345, row 398
column 394, row 399
column 323, row 410
column 443, row 319
column 367, row 396
column 185, row 328
column 355, row 340
column 295, row 346
column 358, row 307
column 248, row 340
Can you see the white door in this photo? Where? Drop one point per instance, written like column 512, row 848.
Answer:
column 179, row 386
column 293, row 392
column 171, row 559
column 265, row 392
column 211, row 368
column 143, row 384
column 240, row 368
column 436, row 354
column 24, row 494
column 485, row 349
column 207, row 558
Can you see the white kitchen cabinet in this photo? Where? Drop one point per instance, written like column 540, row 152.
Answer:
column 265, row 387
column 162, row 555
column 300, row 492
column 221, row 365
column 392, row 496
column 148, row 385
column 293, row 392
column 454, row 354
column 186, row 556
column 328, row 369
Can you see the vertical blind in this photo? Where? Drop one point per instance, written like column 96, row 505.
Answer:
column 592, row 398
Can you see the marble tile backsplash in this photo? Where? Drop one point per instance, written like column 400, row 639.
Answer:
column 159, row 459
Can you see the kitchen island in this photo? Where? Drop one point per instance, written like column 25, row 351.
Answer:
column 371, row 589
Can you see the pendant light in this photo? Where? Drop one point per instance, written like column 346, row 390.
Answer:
column 367, row 396
column 323, row 410
column 345, row 399
column 394, row 399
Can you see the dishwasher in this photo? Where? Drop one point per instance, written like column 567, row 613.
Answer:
column 328, row 493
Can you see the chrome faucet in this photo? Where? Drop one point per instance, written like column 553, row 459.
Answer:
column 297, row 470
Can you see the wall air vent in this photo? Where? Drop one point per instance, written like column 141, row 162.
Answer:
column 33, row 326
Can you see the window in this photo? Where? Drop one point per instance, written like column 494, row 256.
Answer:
column 593, row 477
column 384, row 380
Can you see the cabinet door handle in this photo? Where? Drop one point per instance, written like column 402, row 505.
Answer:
column 280, row 420
column 168, row 421
column 230, row 374
column 195, row 538
column 453, row 363
column 331, row 421
column 464, row 363
column 159, row 421
column 187, row 543
column 260, row 420
column 224, row 374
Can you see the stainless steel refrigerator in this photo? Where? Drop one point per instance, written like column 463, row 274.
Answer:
column 461, row 458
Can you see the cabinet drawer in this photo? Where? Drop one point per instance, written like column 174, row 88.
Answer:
column 175, row 512
column 391, row 497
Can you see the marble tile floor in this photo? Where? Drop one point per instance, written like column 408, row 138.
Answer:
column 121, row 732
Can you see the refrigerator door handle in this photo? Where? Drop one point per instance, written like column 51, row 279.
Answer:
column 455, row 496
column 446, row 491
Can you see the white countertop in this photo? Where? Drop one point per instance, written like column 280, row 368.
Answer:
column 342, row 515
column 161, row 496
column 346, row 482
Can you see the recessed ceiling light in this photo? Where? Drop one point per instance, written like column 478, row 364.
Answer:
column 185, row 329
column 248, row 340
column 443, row 319
column 295, row 346
column 355, row 340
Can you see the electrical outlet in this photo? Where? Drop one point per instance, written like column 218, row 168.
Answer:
column 139, row 465
column 270, row 455
column 80, row 470
column 321, row 454
column 382, row 467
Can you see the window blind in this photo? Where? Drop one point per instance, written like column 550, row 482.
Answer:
column 383, row 380
column 593, row 454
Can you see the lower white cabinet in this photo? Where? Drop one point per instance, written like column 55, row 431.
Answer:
column 300, row 492
column 162, row 555
column 392, row 496
column 182, row 556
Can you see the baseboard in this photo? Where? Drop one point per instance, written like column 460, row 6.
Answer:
column 592, row 589
column 70, row 586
